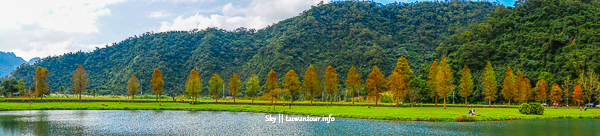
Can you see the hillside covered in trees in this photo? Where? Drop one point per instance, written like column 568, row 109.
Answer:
column 342, row 35
column 544, row 39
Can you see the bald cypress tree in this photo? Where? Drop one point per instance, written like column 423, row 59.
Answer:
column 235, row 84
column 215, row 86
column 311, row 84
column 157, row 84
column 132, row 86
column 375, row 83
column 292, row 84
column 194, row 85
column 466, row 83
column 80, row 81
column 353, row 81
column 331, row 82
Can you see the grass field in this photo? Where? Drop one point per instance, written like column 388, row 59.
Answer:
column 366, row 112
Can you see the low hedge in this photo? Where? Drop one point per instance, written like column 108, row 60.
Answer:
column 531, row 108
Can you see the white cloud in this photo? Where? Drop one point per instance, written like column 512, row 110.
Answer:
column 158, row 14
column 258, row 14
column 41, row 28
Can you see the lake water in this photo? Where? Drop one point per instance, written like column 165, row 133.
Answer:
column 147, row 122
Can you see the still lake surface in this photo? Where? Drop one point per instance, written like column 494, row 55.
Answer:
column 148, row 122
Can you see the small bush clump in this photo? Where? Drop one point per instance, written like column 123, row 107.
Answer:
column 531, row 108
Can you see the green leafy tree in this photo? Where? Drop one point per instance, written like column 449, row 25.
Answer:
column 215, row 85
column 252, row 86
column 132, row 86
column 193, row 86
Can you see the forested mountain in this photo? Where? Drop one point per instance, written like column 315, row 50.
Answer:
column 8, row 62
column 551, row 39
column 339, row 34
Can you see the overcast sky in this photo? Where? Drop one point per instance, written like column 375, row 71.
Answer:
column 40, row 28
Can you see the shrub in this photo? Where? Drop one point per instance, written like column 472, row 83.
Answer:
column 531, row 108
column 385, row 99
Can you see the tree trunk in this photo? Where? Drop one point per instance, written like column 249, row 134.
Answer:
column 292, row 100
column 508, row 102
column 352, row 97
column 216, row 98
column 79, row 95
column 376, row 95
column 444, row 102
column 157, row 97
column 132, row 98
column 465, row 101
column 436, row 100
column 490, row 103
column 234, row 98
column 330, row 99
column 311, row 99
column 159, row 102
column 252, row 99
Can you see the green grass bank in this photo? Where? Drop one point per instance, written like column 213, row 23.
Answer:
column 364, row 112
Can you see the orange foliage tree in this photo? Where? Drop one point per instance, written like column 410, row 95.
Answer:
column 397, row 86
column 577, row 95
column 508, row 86
column 331, row 82
column 541, row 89
column 489, row 83
column 555, row 94
column 157, row 83
column 527, row 91
column 272, row 83
column 466, row 83
column 433, row 81
column 311, row 85
column 292, row 84
column 353, row 81
column 445, row 78
column 80, row 81
column 375, row 83
column 235, row 85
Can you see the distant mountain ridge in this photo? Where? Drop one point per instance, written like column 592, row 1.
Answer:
column 8, row 62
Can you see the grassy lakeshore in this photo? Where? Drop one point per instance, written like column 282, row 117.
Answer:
column 386, row 113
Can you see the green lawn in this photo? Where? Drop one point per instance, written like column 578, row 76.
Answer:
column 388, row 113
